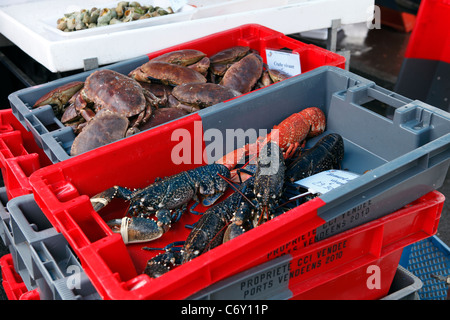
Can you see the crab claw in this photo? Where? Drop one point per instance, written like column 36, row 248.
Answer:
column 137, row 229
column 59, row 96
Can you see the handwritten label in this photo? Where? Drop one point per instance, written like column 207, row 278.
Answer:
column 284, row 61
column 326, row 180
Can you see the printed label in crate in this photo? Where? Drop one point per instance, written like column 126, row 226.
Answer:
column 261, row 282
column 351, row 218
column 294, row 246
column 272, row 279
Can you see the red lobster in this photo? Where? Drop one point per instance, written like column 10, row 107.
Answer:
column 309, row 122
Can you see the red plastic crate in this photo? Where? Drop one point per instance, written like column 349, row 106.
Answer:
column 348, row 260
column 430, row 38
column 56, row 141
column 356, row 264
column 19, row 155
column 260, row 38
column 13, row 285
column 62, row 190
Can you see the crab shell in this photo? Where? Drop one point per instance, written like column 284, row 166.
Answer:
column 111, row 90
column 277, row 75
column 203, row 94
column 162, row 115
column 229, row 55
column 166, row 73
column 98, row 132
column 184, row 57
column 158, row 89
column 201, row 66
column 244, row 74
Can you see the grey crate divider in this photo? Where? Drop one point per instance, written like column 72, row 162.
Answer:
column 49, row 133
column 42, row 256
column 400, row 156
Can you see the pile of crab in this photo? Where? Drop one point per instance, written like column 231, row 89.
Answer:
column 109, row 106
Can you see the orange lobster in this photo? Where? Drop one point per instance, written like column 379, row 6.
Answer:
column 289, row 134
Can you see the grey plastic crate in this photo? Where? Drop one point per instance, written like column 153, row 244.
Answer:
column 407, row 154
column 42, row 256
column 404, row 286
column 401, row 152
column 231, row 288
column 50, row 134
column 5, row 230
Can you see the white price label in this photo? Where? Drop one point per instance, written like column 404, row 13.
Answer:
column 284, row 61
column 326, row 180
column 177, row 4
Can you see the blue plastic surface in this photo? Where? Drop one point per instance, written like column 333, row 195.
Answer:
column 424, row 259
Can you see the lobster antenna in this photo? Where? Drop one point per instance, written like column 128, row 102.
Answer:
column 236, row 189
column 170, row 246
column 238, row 170
column 294, row 198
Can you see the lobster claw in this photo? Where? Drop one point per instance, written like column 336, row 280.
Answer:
column 102, row 199
column 137, row 229
column 232, row 231
column 241, row 221
column 211, row 199
column 162, row 263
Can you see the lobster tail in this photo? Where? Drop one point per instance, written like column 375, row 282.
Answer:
column 316, row 120
column 291, row 130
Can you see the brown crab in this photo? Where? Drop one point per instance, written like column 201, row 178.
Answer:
column 59, row 97
column 270, row 76
column 195, row 96
column 244, row 74
column 106, row 127
column 191, row 58
column 111, row 90
column 229, row 55
column 222, row 60
column 166, row 73
column 183, row 57
column 163, row 115
column 174, row 68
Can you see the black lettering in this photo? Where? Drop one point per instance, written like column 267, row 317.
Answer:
column 283, row 278
column 319, row 263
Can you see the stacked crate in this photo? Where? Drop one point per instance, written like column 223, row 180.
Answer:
column 40, row 264
column 50, row 224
